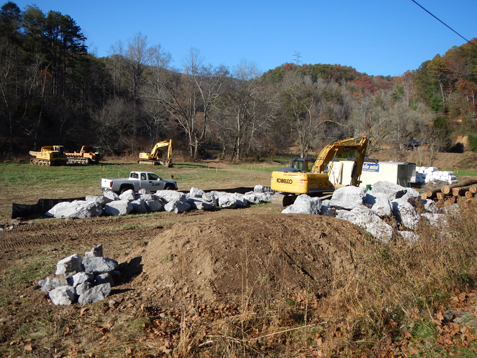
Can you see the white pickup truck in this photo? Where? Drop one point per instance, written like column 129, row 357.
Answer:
column 138, row 180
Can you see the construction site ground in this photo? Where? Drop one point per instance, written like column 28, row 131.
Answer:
column 188, row 280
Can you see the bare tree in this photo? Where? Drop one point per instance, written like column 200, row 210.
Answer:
column 243, row 111
column 189, row 98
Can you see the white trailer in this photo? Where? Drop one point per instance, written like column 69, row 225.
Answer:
column 401, row 173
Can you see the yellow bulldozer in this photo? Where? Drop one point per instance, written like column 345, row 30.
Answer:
column 161, row 154
column 49, row 155
column 312, row 178
column 86, row 155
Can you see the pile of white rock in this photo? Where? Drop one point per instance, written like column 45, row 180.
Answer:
column 434, row 175
column 84, row 280
column 128, row 202
column 369, row 209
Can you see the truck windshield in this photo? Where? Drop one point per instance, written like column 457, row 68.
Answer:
column 152, row 176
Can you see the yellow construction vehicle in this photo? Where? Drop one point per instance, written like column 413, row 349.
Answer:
column 156, row 156
column 87, row 155
column 49, row 155
column 300, row 179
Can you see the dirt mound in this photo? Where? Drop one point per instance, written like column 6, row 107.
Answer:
column 267, row 254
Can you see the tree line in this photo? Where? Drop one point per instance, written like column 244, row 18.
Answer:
column 53, row 91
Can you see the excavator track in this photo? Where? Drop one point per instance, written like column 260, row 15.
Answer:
column 282, row 200
column 81, row 161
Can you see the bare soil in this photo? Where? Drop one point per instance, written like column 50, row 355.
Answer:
column 175, row 267
column 167, row 261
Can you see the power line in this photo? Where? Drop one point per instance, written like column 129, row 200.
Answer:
column 442, row 22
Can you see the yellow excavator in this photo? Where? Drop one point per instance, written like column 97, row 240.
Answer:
column 158, row 155
column 49, row 155
column 314, row 181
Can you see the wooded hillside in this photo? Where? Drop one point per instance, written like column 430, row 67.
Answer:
column 53, row 91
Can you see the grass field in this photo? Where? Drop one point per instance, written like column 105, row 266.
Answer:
column 25, row 183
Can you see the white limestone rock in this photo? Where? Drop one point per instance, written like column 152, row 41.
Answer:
column 110, row 195
column 63, row 296
column 118, row 208
column 154, row 205
column 169, row 195
column 139, row 206
column 95, row 294
column 379, row 203
column 196, row 193
column 176, row 206
column 78, row 209
column 128, row 195
column 348, row 197
column 69, row 265
column 369, row 221
column 79, row 278
column 405, row 213
column 99, row 265
column 304, row 204
column 51, row 283
column 430, row 206
column 393, row 191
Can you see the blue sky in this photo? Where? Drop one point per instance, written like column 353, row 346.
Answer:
column 386, row 37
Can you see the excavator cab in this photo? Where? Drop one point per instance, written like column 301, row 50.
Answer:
column 303, row 165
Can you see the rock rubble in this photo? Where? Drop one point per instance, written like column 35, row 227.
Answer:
column 163, row 200
column 83, row 280
column 373, row 210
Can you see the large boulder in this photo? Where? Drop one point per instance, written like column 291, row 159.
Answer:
column 196, row 193
column 304, row 204
column 78, row 209
column 154, row 205
column 348, row 197
column 100, row 199
column 128, row 195
column 369, row 221
column 393, row 191
column 170, row 195
column 110, row 195
column 226, row 200
column 177, row 206
column 118, row 208
column 199, row 204
column 139, row 206
column 379, row 203
column 405, row 213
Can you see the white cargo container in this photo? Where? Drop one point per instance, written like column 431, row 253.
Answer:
column 401, row 173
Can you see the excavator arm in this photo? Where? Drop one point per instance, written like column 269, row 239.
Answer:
column 163, row 144
column 329, row 153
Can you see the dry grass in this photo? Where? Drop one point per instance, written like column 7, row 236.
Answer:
column 394, row 288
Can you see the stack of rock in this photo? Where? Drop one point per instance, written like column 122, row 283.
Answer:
column 83, row 280
column 369, row 209
column 163, row 200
